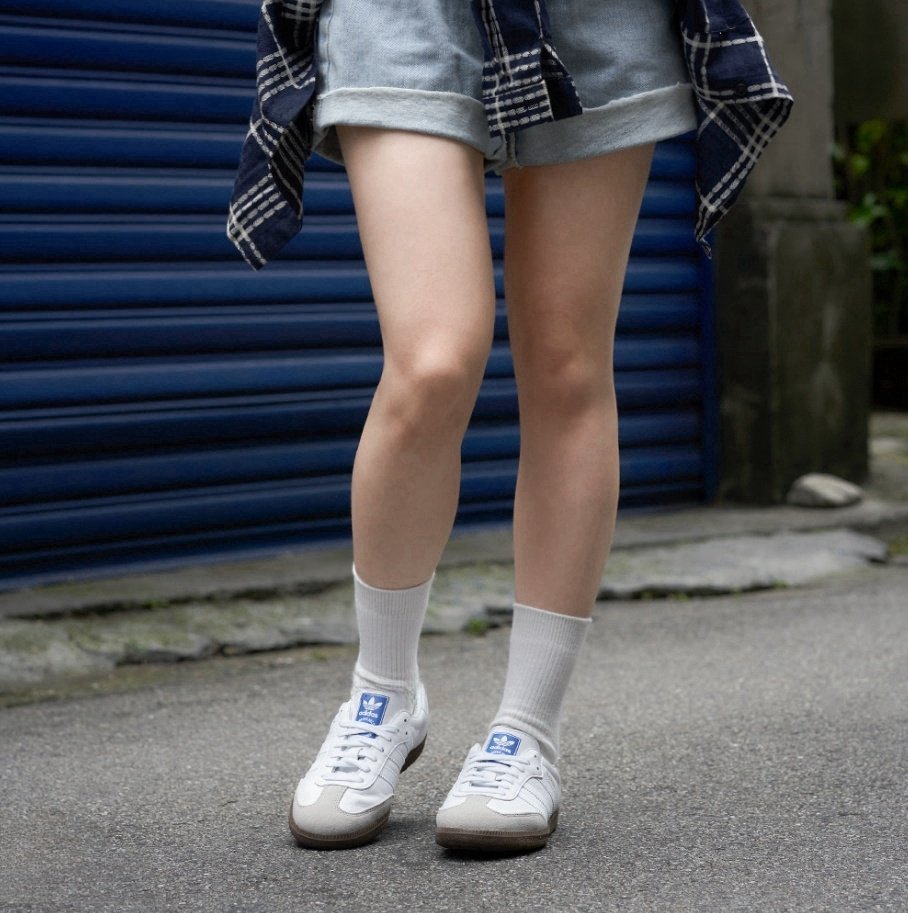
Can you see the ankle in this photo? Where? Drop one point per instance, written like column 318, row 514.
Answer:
column 364, row 680
column 521, row 725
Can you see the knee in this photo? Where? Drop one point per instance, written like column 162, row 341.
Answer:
column 433, row 393
column 566, row 382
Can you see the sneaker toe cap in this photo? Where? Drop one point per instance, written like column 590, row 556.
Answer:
column 326, row 818
column 475, row 815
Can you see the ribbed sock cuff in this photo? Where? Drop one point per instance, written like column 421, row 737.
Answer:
column 543, row 651
column 389, row 623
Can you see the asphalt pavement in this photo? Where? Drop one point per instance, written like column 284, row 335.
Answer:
column 727, row 753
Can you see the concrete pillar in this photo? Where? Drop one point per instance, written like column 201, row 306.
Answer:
column 792, row 290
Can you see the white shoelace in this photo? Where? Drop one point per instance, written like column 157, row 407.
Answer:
column 490, row 774
column 355, row 751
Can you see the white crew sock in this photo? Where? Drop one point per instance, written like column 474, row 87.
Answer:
column 389, row 623
column 543, row 649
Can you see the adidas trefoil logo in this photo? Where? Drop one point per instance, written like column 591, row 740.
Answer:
column 503, row 743
column 372, row 708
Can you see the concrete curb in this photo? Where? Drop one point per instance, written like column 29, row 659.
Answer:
column 55, row 633
column 86, row 628
column 310, row 571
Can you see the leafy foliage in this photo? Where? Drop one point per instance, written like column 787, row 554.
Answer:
column 871, row 167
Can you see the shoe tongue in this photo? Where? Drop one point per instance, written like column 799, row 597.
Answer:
column 377, row 707
column 507, row 742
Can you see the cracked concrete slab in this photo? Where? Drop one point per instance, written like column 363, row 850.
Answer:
column 470, row 596
column 37, row 650
column 33, row 651
column 87, row 627
column 314, row 571
column 738, row 564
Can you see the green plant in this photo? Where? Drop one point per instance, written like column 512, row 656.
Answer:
column 871, row 170
column 477, row 626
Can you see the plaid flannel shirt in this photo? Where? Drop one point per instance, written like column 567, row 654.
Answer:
column 741, row 104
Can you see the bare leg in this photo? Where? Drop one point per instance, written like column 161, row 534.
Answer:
column 421, row 214
column 568, row 236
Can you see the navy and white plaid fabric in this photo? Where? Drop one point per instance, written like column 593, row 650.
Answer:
column 266, row 209
column 741, row 102
column 741, row 105
column 523, row 80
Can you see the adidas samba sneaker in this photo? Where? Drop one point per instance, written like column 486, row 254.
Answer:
column 345, row 797
column 506, row 798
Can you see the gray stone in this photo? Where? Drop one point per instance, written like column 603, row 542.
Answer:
column 819, row 489
column 244, row 626
column 160, row 635
column 324, row 619
column 240, row 627
column 32, row 652
column 158, row 640
column 738, row 564
column 37, row 650
column 105, row 637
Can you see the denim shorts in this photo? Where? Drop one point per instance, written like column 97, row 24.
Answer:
column 381, row 65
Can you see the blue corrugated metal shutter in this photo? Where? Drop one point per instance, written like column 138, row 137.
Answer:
column 161, row 402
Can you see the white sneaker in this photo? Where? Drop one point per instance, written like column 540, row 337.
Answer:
column 345, row 798
column 506, row 798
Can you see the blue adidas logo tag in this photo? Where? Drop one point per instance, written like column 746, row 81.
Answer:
column 372, row 708
column 504, row 743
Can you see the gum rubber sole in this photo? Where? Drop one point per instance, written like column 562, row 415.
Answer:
column 502, row 841
column 345, row 842
column 354, row 839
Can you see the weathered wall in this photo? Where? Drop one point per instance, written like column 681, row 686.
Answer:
column 792, row 290
column 870, row 41
column 795, row 334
